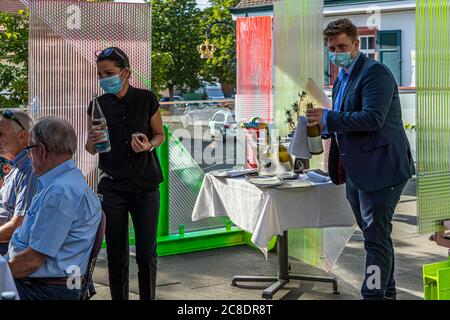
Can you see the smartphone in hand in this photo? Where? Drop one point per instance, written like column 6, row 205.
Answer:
column 140, row 136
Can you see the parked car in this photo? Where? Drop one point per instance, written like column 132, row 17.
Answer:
column 214, row 92
column 223, row 125
column 211, row 91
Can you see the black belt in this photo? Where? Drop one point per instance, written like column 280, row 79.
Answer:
column 46, row 281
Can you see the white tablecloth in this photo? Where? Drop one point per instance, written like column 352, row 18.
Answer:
column 266, row 212
column 6, row 279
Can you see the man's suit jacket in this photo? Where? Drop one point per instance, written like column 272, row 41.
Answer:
column 372, row 146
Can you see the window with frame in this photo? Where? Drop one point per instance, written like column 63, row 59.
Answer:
column 368, row 46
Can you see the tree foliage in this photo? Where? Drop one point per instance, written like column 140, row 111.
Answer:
column 218, row 20
column 175, row 35
column 14, row 59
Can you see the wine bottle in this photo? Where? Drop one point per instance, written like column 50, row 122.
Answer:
column 98, row 119
column 314, row 137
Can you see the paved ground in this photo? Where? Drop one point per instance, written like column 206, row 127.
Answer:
column 206, row 275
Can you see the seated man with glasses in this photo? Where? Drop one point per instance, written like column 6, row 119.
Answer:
column 51, row 250
column 19, row 184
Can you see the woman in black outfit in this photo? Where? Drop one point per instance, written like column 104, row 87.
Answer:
column 130, row 172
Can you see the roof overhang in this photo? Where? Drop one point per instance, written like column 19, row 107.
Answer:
column 336, row 10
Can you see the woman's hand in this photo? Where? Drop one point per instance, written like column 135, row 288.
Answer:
column 97, row 134
column 140, row 143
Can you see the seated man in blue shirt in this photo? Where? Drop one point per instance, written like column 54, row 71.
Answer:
column 54, row 243
column 19, row 185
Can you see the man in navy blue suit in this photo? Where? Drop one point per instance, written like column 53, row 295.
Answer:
column 369, row 149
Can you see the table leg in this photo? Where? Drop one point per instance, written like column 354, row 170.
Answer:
column 252, row 279
column 283, row 273
column 270, row 291
column 317, row 279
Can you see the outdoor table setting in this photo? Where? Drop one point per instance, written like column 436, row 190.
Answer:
column 7, row 286
column 270, row 206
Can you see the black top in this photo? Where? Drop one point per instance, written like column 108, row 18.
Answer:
column 130, row 171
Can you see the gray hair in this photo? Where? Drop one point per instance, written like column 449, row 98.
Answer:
column 24, row 119
column 57, row 135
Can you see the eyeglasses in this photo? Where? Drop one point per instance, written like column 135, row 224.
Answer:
column 108, row 52
column 32, row 146
column 8, row 114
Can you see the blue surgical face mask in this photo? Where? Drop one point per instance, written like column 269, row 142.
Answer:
column 112, row 84
column 341, row 59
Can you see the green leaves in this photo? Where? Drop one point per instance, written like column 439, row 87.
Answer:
column 175, row 36
column 14, row 59
column 410, row 127
column 223, row 34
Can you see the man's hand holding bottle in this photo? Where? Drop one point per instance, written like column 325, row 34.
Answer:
column 315, row 117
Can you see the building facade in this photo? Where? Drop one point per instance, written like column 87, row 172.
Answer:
column 11, row 6
column 386, row 31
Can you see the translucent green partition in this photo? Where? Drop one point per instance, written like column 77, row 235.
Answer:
column 433, row 113
column 298, row 47
column 298, row 56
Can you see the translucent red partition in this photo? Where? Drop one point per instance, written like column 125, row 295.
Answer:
column 254, row 76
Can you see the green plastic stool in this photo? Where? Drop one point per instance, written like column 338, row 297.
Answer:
column 436, row 281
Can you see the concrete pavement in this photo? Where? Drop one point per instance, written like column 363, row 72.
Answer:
column 207, row 275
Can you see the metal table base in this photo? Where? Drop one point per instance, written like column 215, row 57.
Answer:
column 284, row 276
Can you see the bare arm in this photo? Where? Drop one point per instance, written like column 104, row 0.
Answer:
column 158, row 139
column 158, row 130
column 7, row 230
column 25, row 263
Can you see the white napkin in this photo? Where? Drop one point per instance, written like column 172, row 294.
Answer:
column 299, row 144
column 317, row 177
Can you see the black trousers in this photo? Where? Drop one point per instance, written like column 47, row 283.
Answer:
column 144, row 210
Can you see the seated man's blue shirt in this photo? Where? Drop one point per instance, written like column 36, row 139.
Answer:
column 18, row 188
column 61, row 223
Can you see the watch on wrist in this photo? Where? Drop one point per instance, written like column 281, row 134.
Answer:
column 152, row 147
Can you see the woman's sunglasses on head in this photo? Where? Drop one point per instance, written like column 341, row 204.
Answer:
column 8, row 114
column 108, row 52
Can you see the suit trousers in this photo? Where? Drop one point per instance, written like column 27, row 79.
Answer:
column 374, row 212
column 144, row 211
